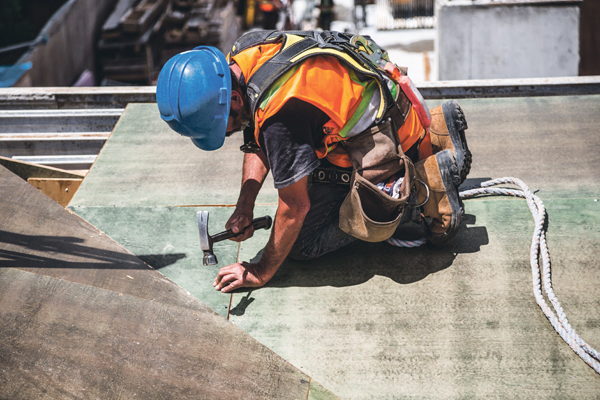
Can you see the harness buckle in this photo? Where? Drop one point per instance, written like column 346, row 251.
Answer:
column 251, row 147
column 370, row 50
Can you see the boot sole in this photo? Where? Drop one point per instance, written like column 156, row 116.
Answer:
column 457, row 124
column 450, row 178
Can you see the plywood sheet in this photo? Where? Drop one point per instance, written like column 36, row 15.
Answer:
column 374, row 321
column 66, row 340
column 460, row 321
column 167, row 239
column 145, row 163
column 548, row 142
column 60, row 190
column 40, row 236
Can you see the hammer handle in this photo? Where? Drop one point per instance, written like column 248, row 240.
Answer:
column 258, row 223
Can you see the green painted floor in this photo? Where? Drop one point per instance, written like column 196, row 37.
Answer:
column 372, row 321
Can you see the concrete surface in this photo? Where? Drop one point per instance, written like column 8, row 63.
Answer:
column 495, row 41
column 375, row 322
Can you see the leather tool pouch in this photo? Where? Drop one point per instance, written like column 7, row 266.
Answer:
column 374, row 152
column 368, row 213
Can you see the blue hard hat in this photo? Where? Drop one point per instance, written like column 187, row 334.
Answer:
column 193, row 93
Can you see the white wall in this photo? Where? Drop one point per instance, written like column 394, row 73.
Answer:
column 507, row 41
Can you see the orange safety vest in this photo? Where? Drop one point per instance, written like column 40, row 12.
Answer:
column 327, row 84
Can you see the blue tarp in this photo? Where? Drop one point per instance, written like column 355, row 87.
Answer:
column 10, row 74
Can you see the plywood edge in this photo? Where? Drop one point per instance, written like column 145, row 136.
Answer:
column 26, row 170
column 60, row 190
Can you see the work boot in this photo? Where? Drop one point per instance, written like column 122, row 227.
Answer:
column 447, row 132
column 437, row 194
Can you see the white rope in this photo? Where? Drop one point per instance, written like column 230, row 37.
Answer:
column 538, row 246
column 406, row 243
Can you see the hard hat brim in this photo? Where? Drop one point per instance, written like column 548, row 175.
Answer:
column 210, row 142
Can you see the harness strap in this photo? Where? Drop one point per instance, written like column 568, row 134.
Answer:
column 253, row 38
column 297, row 52
column 270, row 71
column 256, row 38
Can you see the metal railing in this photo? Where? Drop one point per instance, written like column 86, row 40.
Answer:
column 66, row 139
column 67, row 127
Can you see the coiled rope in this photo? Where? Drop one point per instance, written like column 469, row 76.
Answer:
column 538, row 246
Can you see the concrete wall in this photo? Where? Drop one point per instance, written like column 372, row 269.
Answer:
column 73, row 32
column 487, row 41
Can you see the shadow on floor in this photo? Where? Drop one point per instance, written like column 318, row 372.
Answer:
column 158, row 261
column 240, row 308
column 361, row 261
column 39, row 251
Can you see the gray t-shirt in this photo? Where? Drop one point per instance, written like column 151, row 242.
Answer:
column 289, row 139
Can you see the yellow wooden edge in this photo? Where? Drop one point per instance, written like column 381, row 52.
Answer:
column 60, row 190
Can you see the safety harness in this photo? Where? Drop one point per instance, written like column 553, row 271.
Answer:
column 359, row 53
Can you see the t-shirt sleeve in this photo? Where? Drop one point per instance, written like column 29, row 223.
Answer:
column 289, row 139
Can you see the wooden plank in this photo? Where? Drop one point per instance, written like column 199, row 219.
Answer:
column 139, row 18
column 65, row 340
column 58, row 189
column 111, row 28
column 39, row 235
column 26, row 170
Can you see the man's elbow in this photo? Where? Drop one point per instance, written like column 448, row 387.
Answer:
column 303, row 207
column 296, row 209
column 294, row 201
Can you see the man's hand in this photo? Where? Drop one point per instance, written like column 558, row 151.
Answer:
column 240, row 223
column 292, row 208
column 239, row 275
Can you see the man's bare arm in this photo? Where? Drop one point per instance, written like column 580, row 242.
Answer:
column 291, row 211
column 255, row 170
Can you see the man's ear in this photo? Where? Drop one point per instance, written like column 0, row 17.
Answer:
column 236, row 98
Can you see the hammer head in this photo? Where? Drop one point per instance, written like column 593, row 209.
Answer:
column 206, row 243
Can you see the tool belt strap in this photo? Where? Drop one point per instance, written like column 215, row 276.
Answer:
column 332, row 175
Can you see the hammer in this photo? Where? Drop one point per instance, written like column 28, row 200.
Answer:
column 207, row 241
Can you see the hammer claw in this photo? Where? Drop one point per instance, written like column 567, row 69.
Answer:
column 205, row 243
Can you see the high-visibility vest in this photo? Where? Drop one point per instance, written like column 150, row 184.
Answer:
column 321, row 69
